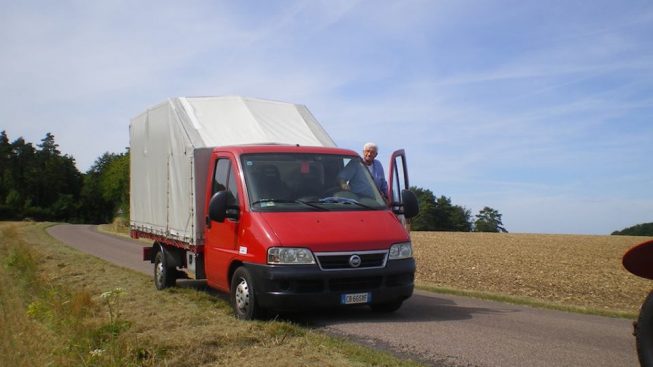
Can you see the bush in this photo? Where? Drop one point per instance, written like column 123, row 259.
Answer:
column 37, row 213
column 643, row 229
column 120, row 225
column 7, row 213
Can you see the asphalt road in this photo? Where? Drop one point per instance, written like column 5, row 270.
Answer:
column 439, row 330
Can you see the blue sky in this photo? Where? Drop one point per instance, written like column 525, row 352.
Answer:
column 541, row 110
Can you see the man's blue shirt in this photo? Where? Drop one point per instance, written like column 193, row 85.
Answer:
column 376, row 169
column 353, row 174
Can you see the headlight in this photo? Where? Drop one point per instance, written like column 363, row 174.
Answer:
column 290, row 255
column 401, row 251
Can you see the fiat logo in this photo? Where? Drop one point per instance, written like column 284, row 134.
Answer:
column 355, row 261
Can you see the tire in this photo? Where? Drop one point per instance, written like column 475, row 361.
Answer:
column 386, row 307
column 644, row 332
column 164, row 276
column 243, row 295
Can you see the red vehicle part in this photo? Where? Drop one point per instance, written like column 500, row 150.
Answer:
column 639, row 260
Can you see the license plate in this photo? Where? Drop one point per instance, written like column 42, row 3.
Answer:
column 354, row 298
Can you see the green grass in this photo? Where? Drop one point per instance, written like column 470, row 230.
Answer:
column 62, row 308
column 45, row 321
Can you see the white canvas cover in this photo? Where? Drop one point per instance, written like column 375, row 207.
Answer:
column 170, row 147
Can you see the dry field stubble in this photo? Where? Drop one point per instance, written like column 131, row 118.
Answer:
column 571, row 270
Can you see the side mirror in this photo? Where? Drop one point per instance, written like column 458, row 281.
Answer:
column 218, row 206
column 410, row 204
column 221, row 207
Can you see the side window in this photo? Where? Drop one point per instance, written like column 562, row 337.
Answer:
column 221, row 175
column 225, row 179
column 233, row 186
column 398, row 179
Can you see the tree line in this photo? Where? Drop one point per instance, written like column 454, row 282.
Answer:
column 439, row 214
column 39, row 183
column 642, row 229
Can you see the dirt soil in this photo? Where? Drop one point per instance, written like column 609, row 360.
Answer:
column 572, row 270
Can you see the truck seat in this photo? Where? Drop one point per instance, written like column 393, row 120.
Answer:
column 268, row 184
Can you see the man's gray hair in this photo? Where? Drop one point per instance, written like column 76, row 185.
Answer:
column 370, row 146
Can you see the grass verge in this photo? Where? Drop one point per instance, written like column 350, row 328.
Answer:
column 60, row 307
column 119, row 226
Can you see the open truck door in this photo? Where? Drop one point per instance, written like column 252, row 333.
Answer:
column 403, row 202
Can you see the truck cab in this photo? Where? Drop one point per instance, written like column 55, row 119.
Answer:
column 282, row 234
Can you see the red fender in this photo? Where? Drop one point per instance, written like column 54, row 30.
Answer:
column 639, row 260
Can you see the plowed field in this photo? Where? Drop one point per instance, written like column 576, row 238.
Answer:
column 573, row 270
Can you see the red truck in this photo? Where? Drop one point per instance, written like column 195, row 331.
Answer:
column 639, row 261
column 246, row 193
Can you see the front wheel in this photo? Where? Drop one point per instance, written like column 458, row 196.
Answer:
column 644, row 333
column 164, row 276
column 243, row 295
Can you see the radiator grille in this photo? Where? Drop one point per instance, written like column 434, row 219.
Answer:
column 343, row 260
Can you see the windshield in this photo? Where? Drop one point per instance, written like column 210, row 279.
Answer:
column 309, row 182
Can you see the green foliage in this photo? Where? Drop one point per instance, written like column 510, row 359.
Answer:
column 42, row 184
column 488, row 220
column 37, row 183
column 106, row 188
column 452, row 218
column 439, row 214
column 642, row 229
column 5, row 164
column 114, row 182
column 425, row 220
column 112, row 300
column 20, row 263
column 49, row 323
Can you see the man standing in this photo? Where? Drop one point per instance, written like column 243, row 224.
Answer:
column 353, row 178
column 370, row 151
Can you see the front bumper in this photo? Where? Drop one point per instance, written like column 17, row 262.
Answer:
column 301, row 287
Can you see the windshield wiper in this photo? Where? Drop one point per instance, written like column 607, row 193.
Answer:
column 346, row 201
column 312, row 205
column 285, row 201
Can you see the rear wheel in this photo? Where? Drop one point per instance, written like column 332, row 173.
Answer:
column 243, row 298
column 644, row 332
column 164, row 276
